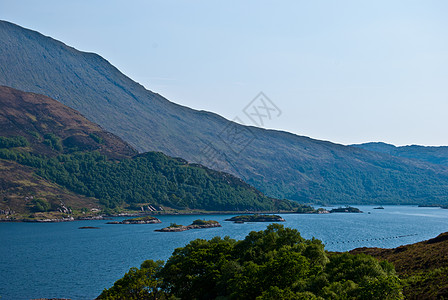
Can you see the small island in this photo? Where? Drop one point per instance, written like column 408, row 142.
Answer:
column 379, row 207
column 140, row 220
column 256, row 218
column 197, row 224
column 308, row 209
column 89, row 227
column 347, row 209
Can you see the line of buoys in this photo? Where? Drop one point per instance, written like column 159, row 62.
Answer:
column 372, row 239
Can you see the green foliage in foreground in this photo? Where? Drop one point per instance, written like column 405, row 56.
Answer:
column 428, row 285
column 147, row 178
column 276, row 263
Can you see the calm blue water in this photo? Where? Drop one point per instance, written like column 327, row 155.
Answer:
column 60, row 260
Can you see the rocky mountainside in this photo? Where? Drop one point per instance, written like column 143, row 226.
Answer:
column 280, row 164
column 52, row 159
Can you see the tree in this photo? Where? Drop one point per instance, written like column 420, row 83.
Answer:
column 276, row 263
column 196, row 271
column 41, row 205
column 138, row 284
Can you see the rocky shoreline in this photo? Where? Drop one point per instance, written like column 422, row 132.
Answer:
column 142, row 220
column 20, row 219
column 70, row 219
column 55, row 220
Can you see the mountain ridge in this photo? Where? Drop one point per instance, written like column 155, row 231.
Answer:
column 437, row 155
column 280, row 164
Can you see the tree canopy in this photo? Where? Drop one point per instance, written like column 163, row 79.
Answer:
column 276, row 263
column 148, row 178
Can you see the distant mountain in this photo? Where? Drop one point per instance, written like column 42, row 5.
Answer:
column 434, row 155
column 52, row 153
column 280, row 164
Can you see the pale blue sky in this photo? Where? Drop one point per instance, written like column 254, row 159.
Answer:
column 344, row 71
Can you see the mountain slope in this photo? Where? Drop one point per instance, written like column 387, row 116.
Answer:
column 51, row 152
column 19, row 187
column 32, row 116
column 280, row 164
column 434, row 155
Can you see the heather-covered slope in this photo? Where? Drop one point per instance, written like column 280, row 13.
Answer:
column 20, row 188
column 33, row 116
column 424, row 265
column 280, row 164
column 52, row 153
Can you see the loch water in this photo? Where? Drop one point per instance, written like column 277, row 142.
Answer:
column 58, row 260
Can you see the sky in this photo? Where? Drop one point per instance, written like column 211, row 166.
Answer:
column 344, row 71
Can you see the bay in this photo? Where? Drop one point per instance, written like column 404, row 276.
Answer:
column 59, row 260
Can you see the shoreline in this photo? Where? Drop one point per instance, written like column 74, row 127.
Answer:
column 124, row 215
column 170, row 213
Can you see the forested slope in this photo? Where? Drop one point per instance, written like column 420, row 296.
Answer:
column 42, row 136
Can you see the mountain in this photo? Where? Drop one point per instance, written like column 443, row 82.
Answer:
column 433, row 155
column 422, row 265
column 280, row 164
column 53, row 157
